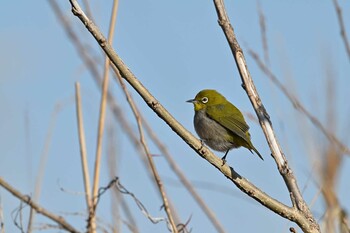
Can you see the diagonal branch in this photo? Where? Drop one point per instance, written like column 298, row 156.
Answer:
column 191, row 189
column 148, row 153
column 40, row 210
column 116, row 110
column 264, row 120
column 297, row 105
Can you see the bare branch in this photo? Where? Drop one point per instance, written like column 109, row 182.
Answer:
column 43, row 160
column 2, row 224
column 342, row 27
column 210, row 214
column 40, row 210
column 148, row 154
column 298, row 105
column 262, row 23
column 264, row 120
column 87, row 8
column 90, row 64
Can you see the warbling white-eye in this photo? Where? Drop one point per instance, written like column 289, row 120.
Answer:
column 219, row 123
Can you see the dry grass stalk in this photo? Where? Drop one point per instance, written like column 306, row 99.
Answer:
column 117, row 200
column 148, row 154
column 43, row 160
column 210, row 214
column 103, row 104
column 83, row 154
column 92, row 67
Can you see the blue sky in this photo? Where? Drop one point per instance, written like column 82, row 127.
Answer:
column 175, row 48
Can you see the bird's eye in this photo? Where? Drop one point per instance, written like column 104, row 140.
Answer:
column 204, row 100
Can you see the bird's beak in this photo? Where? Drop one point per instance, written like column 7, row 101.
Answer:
column 191, row 101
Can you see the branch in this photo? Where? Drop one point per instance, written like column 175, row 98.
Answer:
column 262, row 23
column 148, row 153
column 92, row 67
column 40, row 210
column 43, row 160
column 190, row 188
column 298, row 105
column 264, row 120
column 342, row 27
column 242, row 183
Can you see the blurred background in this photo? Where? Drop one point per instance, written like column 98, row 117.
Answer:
column 175, row 49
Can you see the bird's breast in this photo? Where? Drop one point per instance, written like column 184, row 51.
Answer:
column 211, row 132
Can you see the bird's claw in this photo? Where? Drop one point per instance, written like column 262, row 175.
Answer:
column 223, row 161
column 202, row 144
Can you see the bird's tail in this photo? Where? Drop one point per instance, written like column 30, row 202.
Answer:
column 257, row 152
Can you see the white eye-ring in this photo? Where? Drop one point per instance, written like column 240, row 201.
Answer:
column 204, row 100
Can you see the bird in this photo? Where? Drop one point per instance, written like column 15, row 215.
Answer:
column 220, row 124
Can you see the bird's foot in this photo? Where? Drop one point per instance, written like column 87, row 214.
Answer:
column 202, row 144
column 223, row 161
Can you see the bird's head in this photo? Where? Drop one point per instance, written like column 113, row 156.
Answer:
column 207, row 98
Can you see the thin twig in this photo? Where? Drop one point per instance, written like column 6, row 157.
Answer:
column 102, row 112
column 330, row 165
column 119, row 187
column 2, row 222
column 43, row 161
column 83, row 153
column 286, row 172
column 342, row 27
column 149, row 156
column 113, row 171
column 298, row 105
column 40, row 210
column 28, row 146
column 210, row 214
column 262, row 23
column 87, row 8
column 90, row 64
column 172, row 163
column 117, row 200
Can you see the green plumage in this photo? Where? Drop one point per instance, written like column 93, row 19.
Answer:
column 219, row 123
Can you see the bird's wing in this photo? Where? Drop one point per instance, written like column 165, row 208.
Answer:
column 233, row 121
